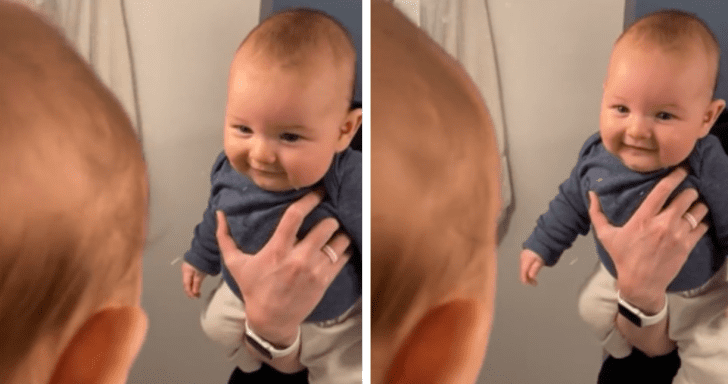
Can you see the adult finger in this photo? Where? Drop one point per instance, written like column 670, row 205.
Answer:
column 293, row 217
column 682, row 203
column 596, row 215
column 698, row 211
column 339, row 243
column 228, row 249
column 656, row 199
column 320, row 234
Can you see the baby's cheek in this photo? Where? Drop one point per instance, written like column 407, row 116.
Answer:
column 672, row 154
column 308, row 174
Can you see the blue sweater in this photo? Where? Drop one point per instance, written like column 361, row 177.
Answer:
column 253, row 215
column 621, row 191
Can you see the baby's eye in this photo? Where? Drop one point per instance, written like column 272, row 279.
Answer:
column 243, row 129
column 665, row 116
column 621, row 108
column 290, row 137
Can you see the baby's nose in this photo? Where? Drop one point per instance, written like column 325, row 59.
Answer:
column 639, row 128
column 263, row 152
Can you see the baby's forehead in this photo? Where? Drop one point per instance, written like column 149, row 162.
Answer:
column 321, row 69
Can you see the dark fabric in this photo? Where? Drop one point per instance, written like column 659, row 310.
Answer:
column 266, row 375
column 638, row 368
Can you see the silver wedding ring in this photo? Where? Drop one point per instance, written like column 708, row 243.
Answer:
column 332, row 254
column 691, row 219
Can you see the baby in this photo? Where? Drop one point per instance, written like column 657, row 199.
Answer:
column 657, row 109
column 288, row 125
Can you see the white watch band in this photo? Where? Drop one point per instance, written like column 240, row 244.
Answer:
column 636, row 316
column 267, row 349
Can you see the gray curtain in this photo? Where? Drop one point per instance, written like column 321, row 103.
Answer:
column 98, row 29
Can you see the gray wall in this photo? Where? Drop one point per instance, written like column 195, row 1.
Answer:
column 182, row 52
column 347, row 12
column 713, row 12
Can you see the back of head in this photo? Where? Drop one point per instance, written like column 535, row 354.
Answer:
column 435, row 200
column 298, row 38
column 675, row 31
column 73, row 192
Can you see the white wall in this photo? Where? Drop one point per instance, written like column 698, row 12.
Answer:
column 181, row 51
column 552, row 56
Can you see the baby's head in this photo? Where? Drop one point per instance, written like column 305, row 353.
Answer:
column 658, row 92
column 73, row 198
column 289, row 95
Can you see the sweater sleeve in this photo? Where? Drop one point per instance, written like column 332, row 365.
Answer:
column 566, row 218
column 713, row 176
column 204, row 253
column 348, row 197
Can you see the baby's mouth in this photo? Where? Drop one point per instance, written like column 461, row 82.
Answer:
column 638, row 147
column 265, row 171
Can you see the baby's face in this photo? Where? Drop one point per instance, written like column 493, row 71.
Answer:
column 655, row 105
column 283, row 126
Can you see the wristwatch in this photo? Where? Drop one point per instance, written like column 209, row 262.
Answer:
column 267, row 349
column 636, row 316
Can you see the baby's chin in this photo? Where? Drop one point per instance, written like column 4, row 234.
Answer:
column 283, row 187
column 643, row 168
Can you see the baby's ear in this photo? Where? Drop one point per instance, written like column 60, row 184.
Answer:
column 348, row 129
column 711, row 115
column 104, row 348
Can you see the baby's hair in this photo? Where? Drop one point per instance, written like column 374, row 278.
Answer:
column 446, row 251
column 675, row 30
column 295, row 36
column 73, row 190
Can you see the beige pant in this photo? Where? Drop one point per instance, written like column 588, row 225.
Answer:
column 331, row 350
column 696, row 322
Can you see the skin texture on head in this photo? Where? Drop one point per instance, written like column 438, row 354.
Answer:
column 434, row 205
column 289, row 96
column 658, row 92
column 72, row 221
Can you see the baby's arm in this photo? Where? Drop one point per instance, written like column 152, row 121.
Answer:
column 566, row 218
column 348, row 175
column 531, row 264
column 203, row 257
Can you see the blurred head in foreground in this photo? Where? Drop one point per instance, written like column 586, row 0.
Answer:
column 72, row 219
column 434, row 203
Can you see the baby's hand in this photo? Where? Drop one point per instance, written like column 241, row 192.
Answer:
column 191, row 280
column 531, row 263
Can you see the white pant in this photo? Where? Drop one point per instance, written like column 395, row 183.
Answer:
column 696, row 322
column 331, row 350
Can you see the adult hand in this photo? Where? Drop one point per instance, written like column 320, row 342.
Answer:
column 649, row 250
column 285, row 280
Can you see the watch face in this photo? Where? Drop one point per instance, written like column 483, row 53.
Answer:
column 629, row 315
column 258, row 347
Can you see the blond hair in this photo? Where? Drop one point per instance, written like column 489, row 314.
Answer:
column 73, row 189
column 295, row 37
column 675, row 31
